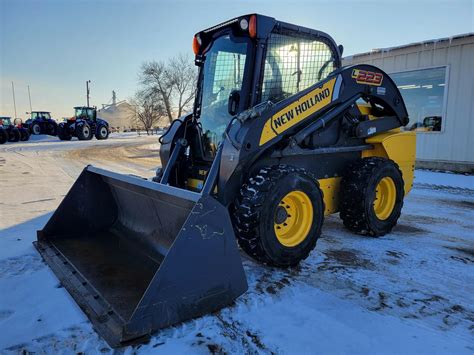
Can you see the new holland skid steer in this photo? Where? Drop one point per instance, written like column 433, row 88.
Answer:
column 280, row 136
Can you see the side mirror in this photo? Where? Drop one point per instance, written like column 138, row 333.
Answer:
column 233, row 104
column 341, row 49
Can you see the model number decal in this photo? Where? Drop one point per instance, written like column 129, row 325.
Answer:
column 367, row 77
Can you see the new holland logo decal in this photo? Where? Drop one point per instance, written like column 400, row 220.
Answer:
column 297, row 111
column 367, row 77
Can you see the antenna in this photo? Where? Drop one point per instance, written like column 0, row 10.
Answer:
column 29, row 97
column 14, row 101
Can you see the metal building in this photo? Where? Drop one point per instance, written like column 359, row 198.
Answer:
column 436, row 79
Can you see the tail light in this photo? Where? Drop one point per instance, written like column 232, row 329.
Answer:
column 196, row 44
column 253, row 26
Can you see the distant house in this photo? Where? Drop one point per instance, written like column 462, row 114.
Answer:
column 119, row 115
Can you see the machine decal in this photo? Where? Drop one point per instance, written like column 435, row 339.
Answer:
column 297, row 111
column 367, row 77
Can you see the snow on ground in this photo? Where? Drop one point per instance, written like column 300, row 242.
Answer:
column 426, row 177
column 409, row 292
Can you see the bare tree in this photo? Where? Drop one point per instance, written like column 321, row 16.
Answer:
column 146, row 110
column 172, row 84
column 183, row 78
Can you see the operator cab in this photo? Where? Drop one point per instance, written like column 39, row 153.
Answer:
column 253, row 59
column 40, row 115
column 5, row 121
column 86, row 113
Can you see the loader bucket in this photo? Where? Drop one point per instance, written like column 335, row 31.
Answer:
column 138, row 256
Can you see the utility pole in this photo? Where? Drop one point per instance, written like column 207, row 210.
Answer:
column 88, row 91
column 14, row 101
column 29, row 97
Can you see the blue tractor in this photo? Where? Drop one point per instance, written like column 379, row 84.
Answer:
column 84, row 125
column 40, row 122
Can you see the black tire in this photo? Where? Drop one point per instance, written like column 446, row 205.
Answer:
column 3, row 136
column 102, row 132
column 52, row 129
column 258, row 208
column 14, row 135
column 36, row 129
column 84, row 131
column 158, row 175
column 358, row 196
column 24, row 134
column 63, row 133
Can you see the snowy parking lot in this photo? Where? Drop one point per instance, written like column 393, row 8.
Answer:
column 409, row 292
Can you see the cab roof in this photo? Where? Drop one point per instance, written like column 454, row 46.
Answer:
column 266, row 25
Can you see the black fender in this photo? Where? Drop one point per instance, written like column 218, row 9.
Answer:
column 101, row 121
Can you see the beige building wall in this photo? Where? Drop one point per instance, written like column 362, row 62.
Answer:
column 455, row 142
column 118, row 116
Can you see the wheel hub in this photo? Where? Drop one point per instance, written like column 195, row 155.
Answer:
column 385, row 198
column 293, row 218
column 281, row 215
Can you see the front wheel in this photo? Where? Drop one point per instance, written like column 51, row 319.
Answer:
column 372, row 192
column 279, row 215
column 36, row 129
column 102, row 132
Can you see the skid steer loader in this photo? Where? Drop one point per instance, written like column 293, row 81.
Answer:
column 280, row 136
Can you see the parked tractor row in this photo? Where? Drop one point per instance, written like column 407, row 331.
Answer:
column 84, row 125
column 12, row 132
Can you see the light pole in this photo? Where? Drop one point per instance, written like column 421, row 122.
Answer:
column 14, row 101
column 87, row 91
column 29, row 97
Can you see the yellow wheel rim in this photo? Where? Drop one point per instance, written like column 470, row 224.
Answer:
column 385, row 197
column 293, row 218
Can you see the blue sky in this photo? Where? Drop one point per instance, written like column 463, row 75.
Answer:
column 55, row 46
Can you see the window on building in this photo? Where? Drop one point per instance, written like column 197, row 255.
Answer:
column 423, row 92
column 294, row 64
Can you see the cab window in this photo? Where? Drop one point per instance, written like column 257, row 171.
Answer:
column 293, row 64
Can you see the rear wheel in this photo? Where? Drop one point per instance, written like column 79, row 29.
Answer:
column 372, row 194
column 14, row 135
column 3, row 136
column 63, row 133
column 279, row 215
column 36, row 129
column 102, row 132
column 84, row 131
column 52, row 129
column 24, row 134
column 158, row 175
